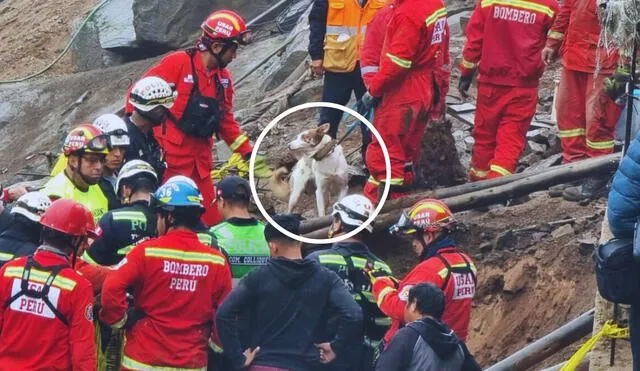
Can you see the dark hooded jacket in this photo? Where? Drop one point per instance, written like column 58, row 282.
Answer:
column 21, row 238
column 426, row 345
column 285, row 300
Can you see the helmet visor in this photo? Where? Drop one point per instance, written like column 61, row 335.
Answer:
column 337, row 207
column 244, row 38
column 404, row 226
column 98, row 144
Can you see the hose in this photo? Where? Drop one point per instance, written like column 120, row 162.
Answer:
column 66, row 49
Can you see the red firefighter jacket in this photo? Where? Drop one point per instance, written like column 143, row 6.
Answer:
column 507, row 39
column 373, row 40
column 459, row 291
column 178, row 284
column 32, row 337
column 575, row 33
column 415, row 46
column 185, row 151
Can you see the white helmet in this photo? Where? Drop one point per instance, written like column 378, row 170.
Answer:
column 115, row 127
column 354, row 210
column 182, row 178
column 133, row 168
column 32, row 205
column 151, row 92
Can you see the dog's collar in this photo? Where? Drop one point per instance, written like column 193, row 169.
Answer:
column 325, row 151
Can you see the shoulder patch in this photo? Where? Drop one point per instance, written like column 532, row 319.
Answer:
column 88, row 312
column 404, row 293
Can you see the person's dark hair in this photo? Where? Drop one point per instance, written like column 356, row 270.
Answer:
column 56, row 239
column 185, row 216
column 27, row 226
column 429, row 299
column 289, row 222
column 144, row 182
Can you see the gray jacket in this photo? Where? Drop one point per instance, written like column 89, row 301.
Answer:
column 426, row 345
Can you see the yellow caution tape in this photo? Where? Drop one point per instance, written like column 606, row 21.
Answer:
column 609, row 330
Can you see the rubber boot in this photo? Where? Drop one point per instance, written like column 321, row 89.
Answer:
column 592, row 188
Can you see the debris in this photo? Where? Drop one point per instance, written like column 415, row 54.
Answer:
column 504, row 240
column 564, row 230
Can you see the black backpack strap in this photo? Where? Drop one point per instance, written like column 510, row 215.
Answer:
column 448, row 266
column 195, row 89
column 44, row 293
column 468, row 263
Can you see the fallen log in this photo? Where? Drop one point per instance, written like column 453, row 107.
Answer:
column 550, row 344
column 311, row 225
column 523, row 185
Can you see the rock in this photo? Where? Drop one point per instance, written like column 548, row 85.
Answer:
column 565, row 230
column 115, row 24
column 485, row 247
column 536, row 147
column 504, row 240
column 288, row 19
column 515, row 279
column 288, row 65
column 531, row 159
column 311, row 92
column 587, row 241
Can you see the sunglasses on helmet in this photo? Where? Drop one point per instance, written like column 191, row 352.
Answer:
column 404, row 226
column 352, row 214
column 99, row 143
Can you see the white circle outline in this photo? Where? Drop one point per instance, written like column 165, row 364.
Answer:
column 387, row 163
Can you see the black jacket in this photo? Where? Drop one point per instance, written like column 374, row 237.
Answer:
column 121, row 229
column 20, row 239
column 285, row 300
column 317, row 28
column 110, row 193
column 144, row 147
column 426, row 345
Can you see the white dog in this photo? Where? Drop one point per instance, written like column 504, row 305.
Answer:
column 318, row 158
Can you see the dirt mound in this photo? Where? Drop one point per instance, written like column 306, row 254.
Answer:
column 530, row 283
column 34, row 32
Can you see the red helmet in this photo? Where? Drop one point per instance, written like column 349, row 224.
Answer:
column 227, row 26
column 91, row 225
column 66, row 216
column 86, row 138
column 428, row 215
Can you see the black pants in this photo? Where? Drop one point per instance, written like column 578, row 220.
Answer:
column 337, row 89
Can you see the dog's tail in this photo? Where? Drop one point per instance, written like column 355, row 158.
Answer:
column 279, row 185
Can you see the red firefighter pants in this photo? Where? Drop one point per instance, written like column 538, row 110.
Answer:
column 503, row 117
column 211, row 215
column 401, row 127
column 586, row 116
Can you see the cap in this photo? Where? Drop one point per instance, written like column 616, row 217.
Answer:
column 233, row 188
column 289, row 222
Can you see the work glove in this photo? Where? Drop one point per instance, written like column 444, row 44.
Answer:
column 366, row 103
column 615, row 86
column 381, row 274
column 260, row 169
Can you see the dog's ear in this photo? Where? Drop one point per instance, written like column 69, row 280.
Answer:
column 322, row 130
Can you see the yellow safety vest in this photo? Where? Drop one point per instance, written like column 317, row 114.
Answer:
column 61, row 186
column 346, row 26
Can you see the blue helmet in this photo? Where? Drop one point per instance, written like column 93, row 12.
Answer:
column 177, row 194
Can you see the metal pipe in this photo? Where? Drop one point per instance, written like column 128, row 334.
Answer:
column 550, row 344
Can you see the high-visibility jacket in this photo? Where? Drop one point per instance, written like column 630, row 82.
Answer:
column 184, row 151
column 576, row 33
column 346, row 25
column 178, row 284
column 60, row 186
column 415, row 47
column 373, row 40
column 242, row 241
column 35, row 335
column 514, row 60
column 450, row 270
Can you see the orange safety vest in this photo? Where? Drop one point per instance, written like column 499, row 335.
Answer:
column 346, row 26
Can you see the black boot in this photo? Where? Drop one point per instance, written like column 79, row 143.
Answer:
column 592, row 188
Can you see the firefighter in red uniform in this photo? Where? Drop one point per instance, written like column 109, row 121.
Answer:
column 178, row 283
column 431, row 224
column 586, row 115
column 203, row 106
column 414, row 50
column 46, row 317
column 509, row 71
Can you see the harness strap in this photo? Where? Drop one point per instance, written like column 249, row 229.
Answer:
column 44, row 293
column 450, row 269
